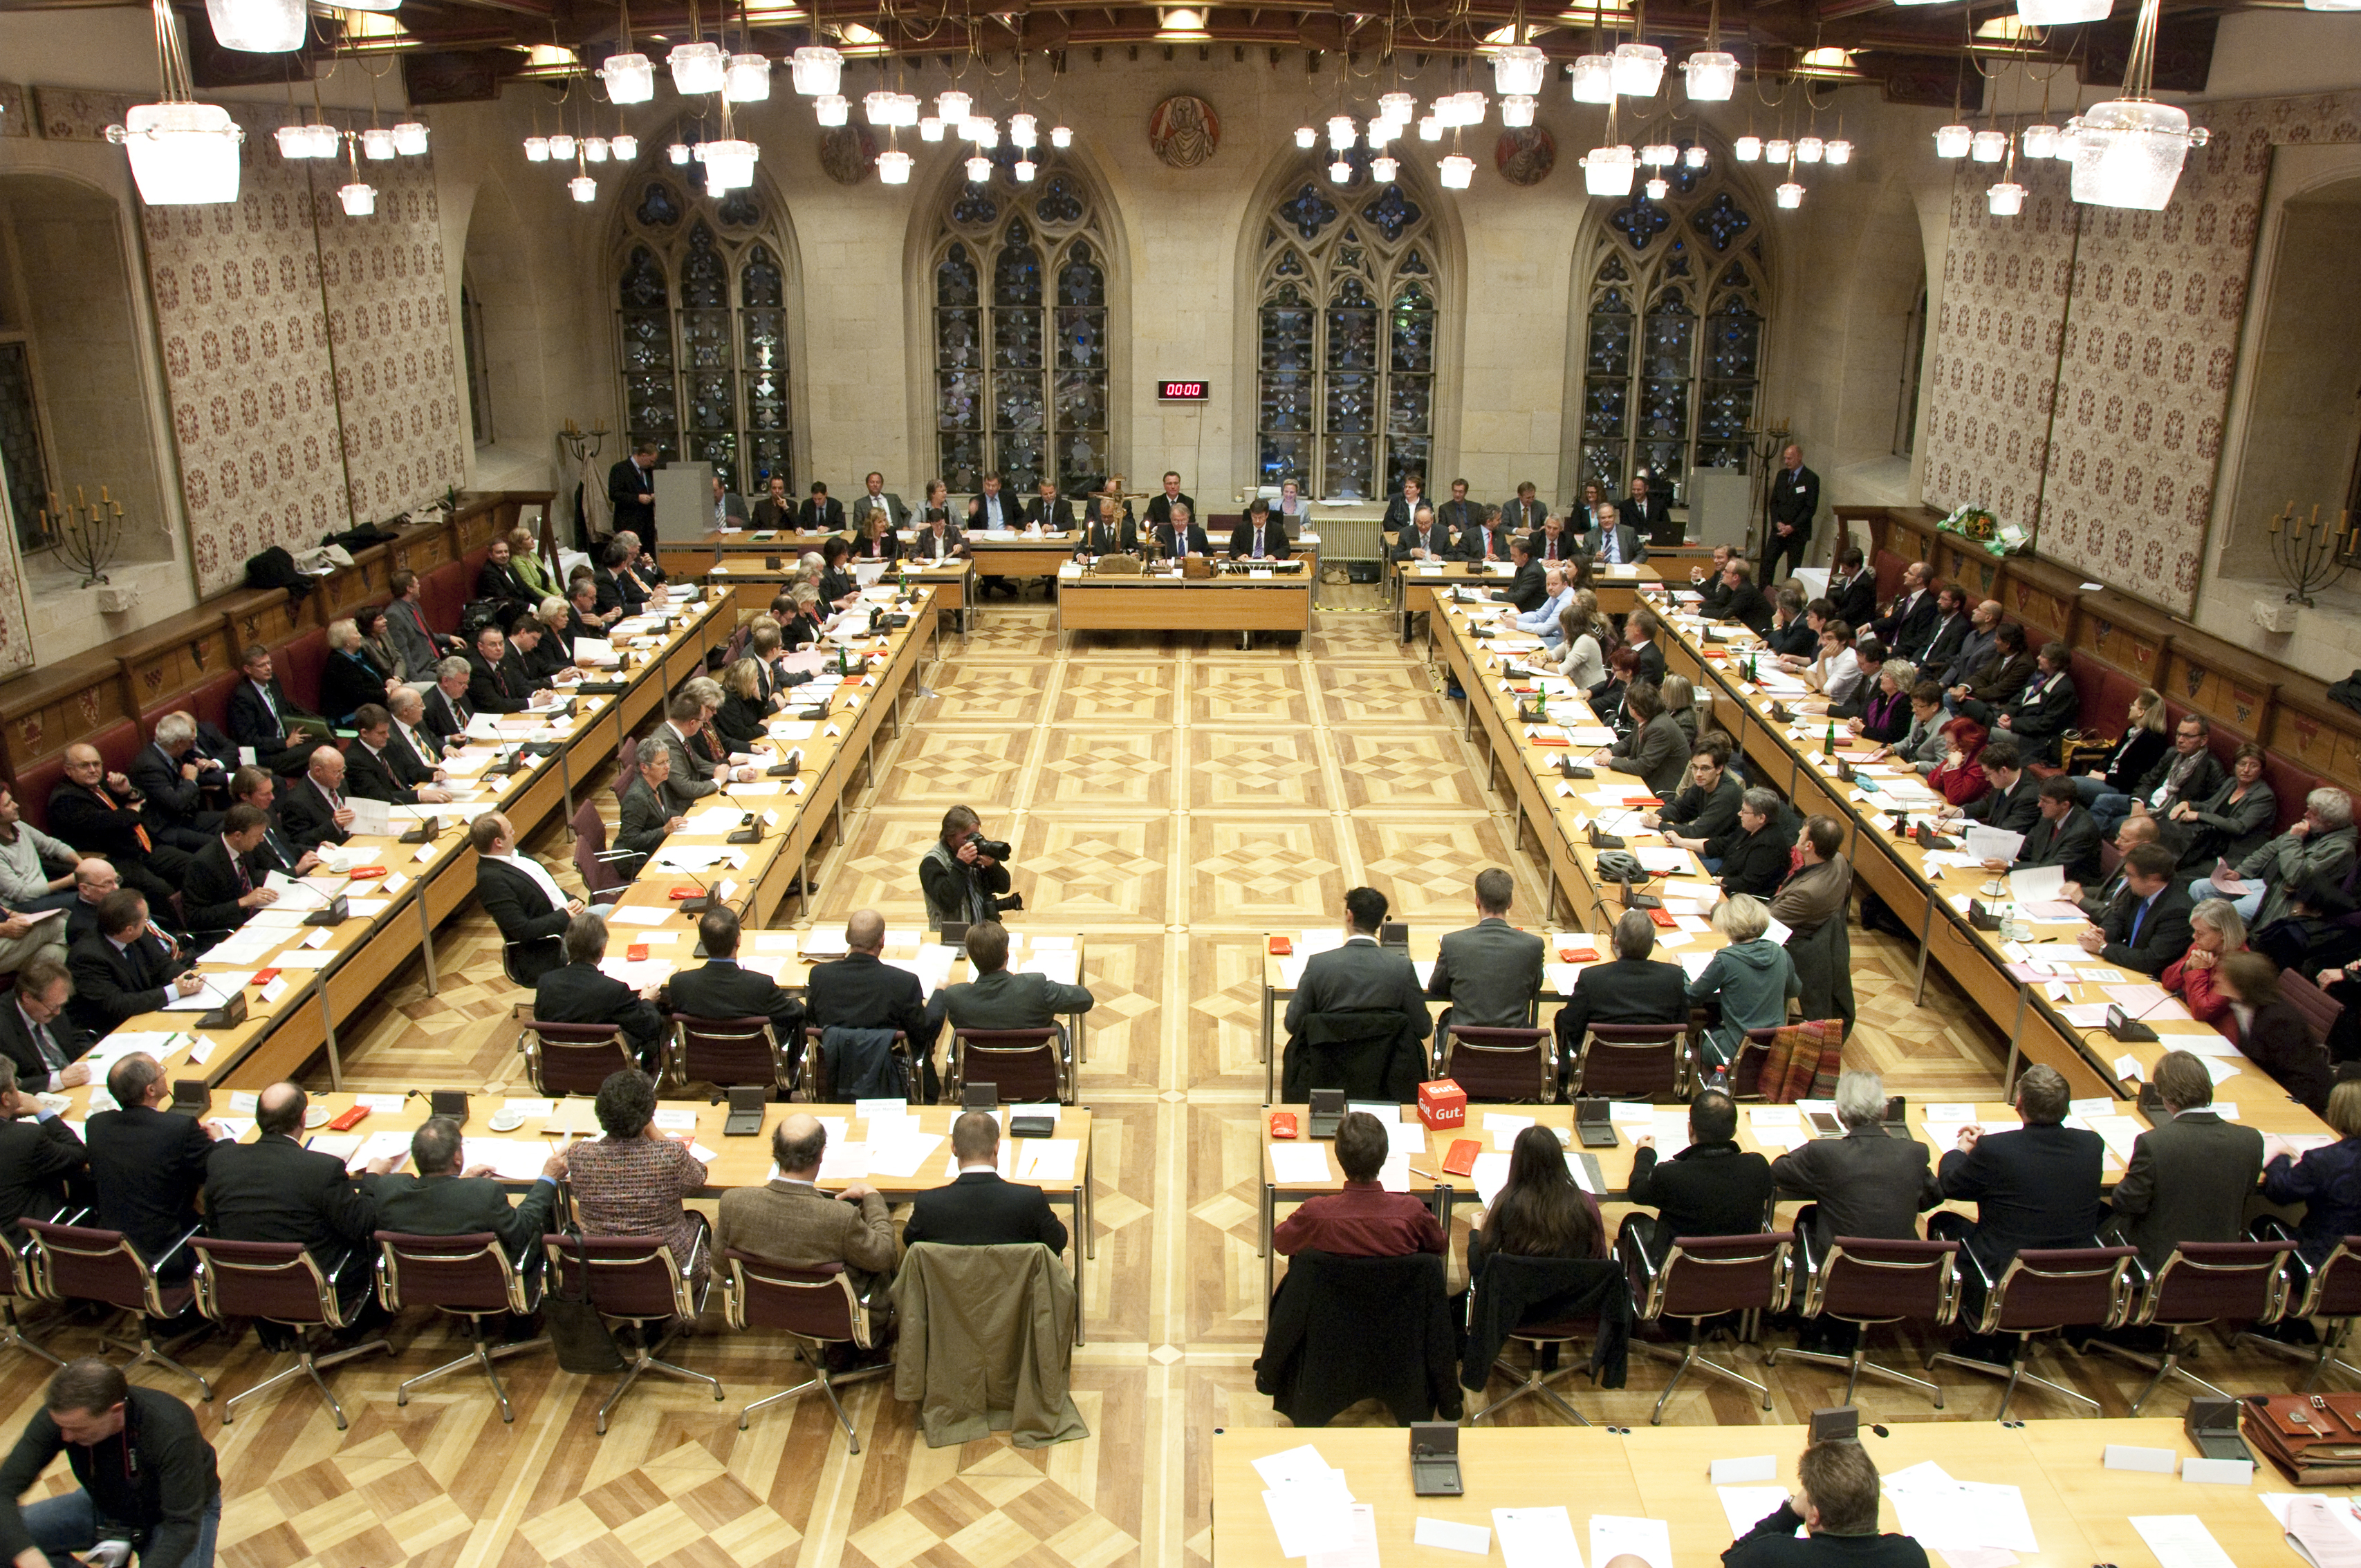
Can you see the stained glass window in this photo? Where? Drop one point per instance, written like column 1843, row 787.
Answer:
column 1345, row 391
column 1672, row 367
column 701, row 306
column 20, row 445
column 1020, row 333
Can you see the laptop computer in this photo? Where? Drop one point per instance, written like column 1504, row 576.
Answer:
column 1327, row 1110
column 2211, row 1425
column 1435, row 1459
column 1594, row 1124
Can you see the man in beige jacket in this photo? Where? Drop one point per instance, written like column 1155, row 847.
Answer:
column 789, row 1222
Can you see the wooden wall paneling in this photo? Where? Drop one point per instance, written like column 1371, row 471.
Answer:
column 2316, row 733
column 163, row 660
column 49, row 710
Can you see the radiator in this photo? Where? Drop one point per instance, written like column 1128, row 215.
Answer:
column 1350, row 538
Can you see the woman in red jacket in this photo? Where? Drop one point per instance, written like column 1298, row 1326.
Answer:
column 1959, row 777
column 2215, row 931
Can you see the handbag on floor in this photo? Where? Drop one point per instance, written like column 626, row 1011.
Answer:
column 577, row 1332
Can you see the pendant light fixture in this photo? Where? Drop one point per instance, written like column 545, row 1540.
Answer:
column 930, row 128
column 1711, row 72
column 979, row 170
column 584, row 189
column 183, row 152
column 819, row 70
column 1062, row 137
column 951, row 106
column 1608, row 169
column 259, row 27
column 1516, row 70
column 1791, row 194
column 630, row 76
column 2128, row 151
column 1455, row 172
column 894, row 167
column 1383, row 168
column 357, row 199
column 624, row 145
column 1954, row 139
column 2005, row 199
column 1839, row 151
column 1307, row 136
column 830, row 109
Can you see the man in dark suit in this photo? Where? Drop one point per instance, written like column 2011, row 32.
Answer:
column 726, row 989
column 874, row 498
column 982, row 1207
column 1946, row 636
column 2190, row 1176
column 2035, row 1187
column 1835, row 1505
column 1853, row 588
column 2013, row 802
column 523, row 900
column 126, row 968
column 313, row 811
column 1047, row 512
column 991, row 509
column 259, row 788
column 1997, row 679
column 1422, row 538
column 1160, row 507
column 821, row 513
column 438, row 1198
column 1864, row 1183
column 275, row 1189
column 1180, row 534
column 1458, row 514
column 860, row 991
column 1650, row 513
column 2147, row 925
column 1360, row 977
column 1614, row 543
column 147, row 1164
column 1909, row 622
column 1710, row 1188
column 2065, row 837
column 405, row 623
column 1104, row 537
column 384, row 764
column 1529, row 590
column 728, row 506
column 171, row 777
column 578, row 991
column 1260, row 536
column 1489, row 971
column 1403, row 506
column 631, row 493
column 446, row 706
column 775, row 511
column 42, row 1162
column 490, row 687
column 1524, row 516
column 1484, row 539
column 1630, row 989
column 1552, row 541
column 2045, row 708
column 45, row 1047
column 1795, row 501
column 1741, row 601
column 92, row 809
column 280, row 734
column 1000, row 998
column 222, row 888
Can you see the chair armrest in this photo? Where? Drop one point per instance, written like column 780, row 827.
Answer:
column 161, row 1258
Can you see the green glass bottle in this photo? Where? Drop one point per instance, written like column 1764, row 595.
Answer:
column 1828, row 746
column 844, row 667
column 1540, row 703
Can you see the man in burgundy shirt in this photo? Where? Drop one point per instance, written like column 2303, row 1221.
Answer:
column 1365, row 1220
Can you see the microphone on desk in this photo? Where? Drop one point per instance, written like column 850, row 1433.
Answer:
column 704, row 899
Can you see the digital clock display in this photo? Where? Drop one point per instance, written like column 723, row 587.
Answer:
column 1181, row 391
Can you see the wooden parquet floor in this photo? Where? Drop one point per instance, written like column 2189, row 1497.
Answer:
column 1171, row 799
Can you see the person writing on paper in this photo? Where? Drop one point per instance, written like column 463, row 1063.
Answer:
column 2325, row 1180
column 147, row 1482
column 960, row 880
column 1752, row 977
column 632, row 1181
column 578, row 992
column 127, row 966
column 2147, row 925
column 790, row 1223
column 982, row 1207
column 46, row 1047
column 313, row 811
column 1540, row 1211
column 2065, row 837
column 999, row 998
column 1364, row 1219
column 1710, row 1188
column 1835, row 1502
column 222, row 889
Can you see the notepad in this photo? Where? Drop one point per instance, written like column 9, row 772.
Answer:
column 1301, row 1165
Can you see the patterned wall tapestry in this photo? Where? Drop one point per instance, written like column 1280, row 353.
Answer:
column 2126, row 490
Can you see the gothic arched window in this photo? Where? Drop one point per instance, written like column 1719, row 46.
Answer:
column 1673, row 366
column 1020, row 336
column 1344, row 402
column 702, row 303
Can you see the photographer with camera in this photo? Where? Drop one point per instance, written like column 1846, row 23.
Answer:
column 965, row 875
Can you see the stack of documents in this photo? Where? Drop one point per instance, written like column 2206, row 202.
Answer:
column 1943, row 1514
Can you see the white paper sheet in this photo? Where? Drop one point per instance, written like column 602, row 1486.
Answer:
column 1536, row 1538
column 2180, row 1540
column 1650, row 1540
column 1750, row 1506
column 1046, row 1160
column 1476, row 1539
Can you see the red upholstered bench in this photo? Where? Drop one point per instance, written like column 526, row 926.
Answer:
column 444, row 593
column 296, row 665
column 208, row 701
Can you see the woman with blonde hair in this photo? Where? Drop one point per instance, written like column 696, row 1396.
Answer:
column 2146, row 736
column 2216, row 930
column 1752, row 977
column 743, row 709
column 1679, row 698
column 349, row 677
column 1585, row 662
column 524, row 559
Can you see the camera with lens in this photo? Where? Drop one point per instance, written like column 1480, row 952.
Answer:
column 997, row 849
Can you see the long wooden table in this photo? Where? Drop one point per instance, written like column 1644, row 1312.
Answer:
column 1420, row 584
column 1260, row 600
column 754, row 585
column 2079, row 1511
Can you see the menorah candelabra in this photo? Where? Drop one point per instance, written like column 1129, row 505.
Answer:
column 89, row 533
column 2311, row 552
column 583, row 445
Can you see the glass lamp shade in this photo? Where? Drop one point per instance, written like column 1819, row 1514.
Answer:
column 1341, row 132
column 1061, row 135
column 1380, row 131
column 625, row 147
column 1025, row 170
column 1712, row 75
column 561, row 146
column 1517, row 109
column 410, row 138
column 2004, row 199
column 1594, row 79
column 830, row 109
column 1457, row 172
column 536, row 149
column 2037, row 141
column 984, row 130
column 2332, row 5
column 678, row 152
column 1810, row 149
column 359, row 201
column 1695, row 157
column 1517, row 70
column 1791, row 194
column 879, row 106
column 1839, row 151
column 1382, row 169
column 182, row 154
column 584, row 189
column 1399, row 107
column 698, row 68
column 326, row 141
column 1307, row 136
column 1023, row 130
column 951, row 107
column 2128, row 151
column 1638, row 70
column 817, row 70
column 748, row 79
column 2062, row 13
column 1988, row 147
column 1608, row 170
column 377, row 142
column 261, row 27
column 730, row 165
column 1340, row 172
column 1429, row 128
column 930, row 129
column 1776, row 149
column 1660, row 155
column 894, row 167
column 594, row 150
column 1953, row 141
column 1658, row 188
column 1746, row 149
column 294, row 141
column 979, row 170
column 1473, row 107
column 1446, row 111
column 629, row 78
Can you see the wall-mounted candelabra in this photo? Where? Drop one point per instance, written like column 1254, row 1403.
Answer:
column 88, row 534
column 2313, row 552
